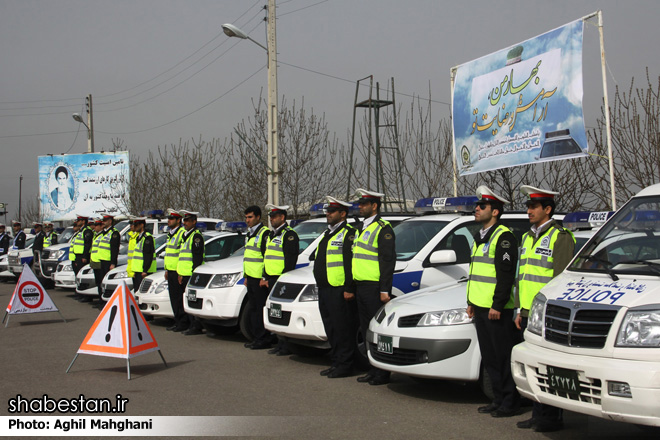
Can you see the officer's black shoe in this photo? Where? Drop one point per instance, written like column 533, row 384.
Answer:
column 339, row 373
column 192, row 332
column 171, row 328
column 549, row 425
column 259, row 345
column 283, row 352
column 505, row 412
column 180, row 329
column 488, row 408
column 327, row 371
column 366, row 378
column 527, row 424
column 380, row 380
column 248, row 344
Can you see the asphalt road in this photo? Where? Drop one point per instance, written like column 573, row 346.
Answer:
column 210, row 375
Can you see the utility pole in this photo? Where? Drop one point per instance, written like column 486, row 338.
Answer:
column 20, row 199
column 90, row 125
column 273, row 172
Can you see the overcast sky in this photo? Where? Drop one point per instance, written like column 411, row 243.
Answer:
column 161, row 70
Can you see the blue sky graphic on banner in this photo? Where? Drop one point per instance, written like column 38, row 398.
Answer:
column 521, row 105
column 87, row 184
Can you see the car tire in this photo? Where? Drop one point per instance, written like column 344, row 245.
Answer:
column 485, row 383
column 244, row 322
column 218, row 329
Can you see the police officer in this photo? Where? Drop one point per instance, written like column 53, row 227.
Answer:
column 81, row 243
column 132, row 236
column 253, row 270
column 280, row 257
column 545, row 252
column 174, row 233
column 490, row 300
column 144, row 254
column 191, row 256
column 38, row 244
column 108, row 251
column 333, row 274
column 19, row 236
column 50, row 236
column 95, row 254
column 4, row 240
column 374, row 258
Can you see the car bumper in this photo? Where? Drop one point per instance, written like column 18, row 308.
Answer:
column 529, row 367
column 65, row 280
column 110, row 287
column 223, row 303
column 297, row 320
column 155, row 304
column 442, row 352
column 86, row 286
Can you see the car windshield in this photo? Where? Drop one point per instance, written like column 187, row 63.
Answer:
column 629, row 243
column 65, row 236
column 411, row 236
column 308, row 232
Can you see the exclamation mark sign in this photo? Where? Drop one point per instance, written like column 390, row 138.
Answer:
column 113, row 313
column 136, row 322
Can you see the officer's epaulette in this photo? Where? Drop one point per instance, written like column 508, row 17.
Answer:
column 381, row 222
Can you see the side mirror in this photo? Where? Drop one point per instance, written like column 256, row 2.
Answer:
column 445, row 256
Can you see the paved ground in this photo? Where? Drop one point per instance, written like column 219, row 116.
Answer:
column 216, row 376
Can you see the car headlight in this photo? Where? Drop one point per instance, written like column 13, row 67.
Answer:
column 309, row 293
column 537, row 315
column 224, row 280
column 67, row 268
column 446, row 317
column 59, row 254
column 640, row 328
column 160, row 288
column 120, row 275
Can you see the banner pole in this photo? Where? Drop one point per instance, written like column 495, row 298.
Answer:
column 608, row 127
column 451, row 80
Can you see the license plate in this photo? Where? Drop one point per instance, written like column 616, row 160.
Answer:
column 275, row 311
column 561, row 379
column 192, row 295
column 385, row 344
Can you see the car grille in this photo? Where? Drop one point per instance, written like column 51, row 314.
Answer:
column 284, row 320
column 146, row 284
column 200, row 280
column 143, row 306
column 49, row 267
column 410, row 321
column 13, row 260
column 579, row 325
column 85, row 286
column 197, row 304
column 590, row 391
column 45, row 255
column 286, row 291
column 399, row 356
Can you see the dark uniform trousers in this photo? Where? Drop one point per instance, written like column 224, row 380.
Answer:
column 137, row 280
column 257, row 297
column 99, row 274
column 188, row 321
column 176, row 299
column 340, row 322
column 496, row 340
column 540, row 411
column 368, row 300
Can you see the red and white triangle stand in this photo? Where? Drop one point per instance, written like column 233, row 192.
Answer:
column 29, row 297
column 119, row 331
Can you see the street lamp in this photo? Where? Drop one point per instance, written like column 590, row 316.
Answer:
column 273, row 167
column 89, row 125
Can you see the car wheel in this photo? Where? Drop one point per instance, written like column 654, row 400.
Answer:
column 485, row 384
column 244, row 322
column 218, row 329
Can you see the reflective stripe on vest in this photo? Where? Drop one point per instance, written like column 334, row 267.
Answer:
column 365, row 253
column 137, row 262
column 185, row 264
column 253, row 259
column 483, row 276
column 104, row 253
column 173, row 248
column 95, row 257
column 334, row 259
column 536, row 264
column 72, row 254
column 132, row 236
column 274, row 255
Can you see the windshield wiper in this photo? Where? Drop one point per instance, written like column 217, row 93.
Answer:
column 606, row 264
column 655, row 267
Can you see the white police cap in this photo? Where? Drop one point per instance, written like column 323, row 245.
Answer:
column 485, row 194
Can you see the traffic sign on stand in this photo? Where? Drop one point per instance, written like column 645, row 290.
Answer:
column 29, row 297
column 119, row 331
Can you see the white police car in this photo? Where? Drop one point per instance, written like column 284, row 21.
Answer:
column 592, row 343
column 428, row 333
column 19, row 257
column 153, row 296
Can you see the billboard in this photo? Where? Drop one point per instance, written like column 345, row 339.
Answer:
column 521, row 105
column 89, row 184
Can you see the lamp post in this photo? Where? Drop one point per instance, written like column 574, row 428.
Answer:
column 89, row 125
column 273, row 167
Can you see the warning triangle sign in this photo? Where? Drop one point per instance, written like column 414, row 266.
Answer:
column 30, row 296
column 120, row 330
